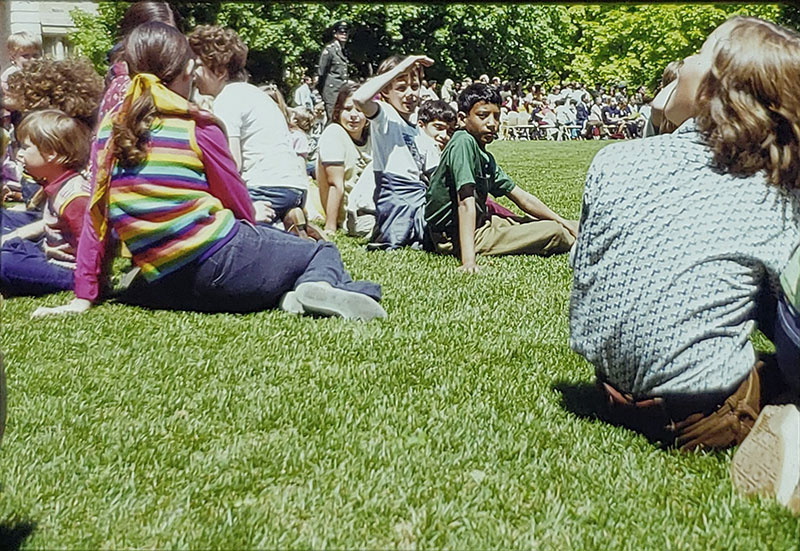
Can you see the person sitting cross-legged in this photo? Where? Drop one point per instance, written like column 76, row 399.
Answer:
column 456, row 214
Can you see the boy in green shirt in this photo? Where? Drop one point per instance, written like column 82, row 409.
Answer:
column 455, row 211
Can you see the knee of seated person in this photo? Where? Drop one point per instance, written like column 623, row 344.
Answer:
column 561, row 242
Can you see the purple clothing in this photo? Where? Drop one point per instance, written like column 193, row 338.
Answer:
column 112, row 97
column 25, row 270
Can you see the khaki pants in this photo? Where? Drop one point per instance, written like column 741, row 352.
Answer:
column 518, row 235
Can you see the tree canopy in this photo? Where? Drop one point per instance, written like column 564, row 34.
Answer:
column 603, row 43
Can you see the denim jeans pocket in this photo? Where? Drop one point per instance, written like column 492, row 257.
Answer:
column 221, row 264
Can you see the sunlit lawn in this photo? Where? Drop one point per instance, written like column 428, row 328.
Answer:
column 463, row 421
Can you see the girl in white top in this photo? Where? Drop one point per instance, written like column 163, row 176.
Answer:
column 344, row 152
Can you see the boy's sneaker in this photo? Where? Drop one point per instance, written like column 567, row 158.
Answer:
column 768, row 461
column 289, row 303
column 321, row 298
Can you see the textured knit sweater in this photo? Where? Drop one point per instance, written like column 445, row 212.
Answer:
column 669, row 262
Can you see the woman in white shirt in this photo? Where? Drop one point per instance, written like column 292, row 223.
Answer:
column 344, row 152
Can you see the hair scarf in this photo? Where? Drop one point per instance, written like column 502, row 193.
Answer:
column 166, row 102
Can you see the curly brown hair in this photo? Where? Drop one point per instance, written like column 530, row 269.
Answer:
column 220, row 49
column 748, row 105
column 163, row 51
column 70, row 85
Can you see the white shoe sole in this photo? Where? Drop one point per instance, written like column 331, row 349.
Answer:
column 289, row 303
column 768, row 461
column 321, row 298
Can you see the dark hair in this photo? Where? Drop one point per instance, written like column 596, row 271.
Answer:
column 670, row 72
column 158, row 49
column 348, row 89
column 145, row 11
column 436, row 110
column 477, row 92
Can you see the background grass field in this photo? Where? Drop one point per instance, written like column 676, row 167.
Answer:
column 463, row 421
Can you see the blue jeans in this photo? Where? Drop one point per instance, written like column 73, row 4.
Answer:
column 24, row 270
column 787, row 342
column 13, row 219
column 282, row 199
column 400, row 206
column 251, row 272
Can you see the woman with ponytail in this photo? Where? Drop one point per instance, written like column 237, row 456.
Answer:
column 168, row 187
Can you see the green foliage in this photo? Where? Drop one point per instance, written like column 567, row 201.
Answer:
column 634, row 43
column 603, row 43
column 95, row 34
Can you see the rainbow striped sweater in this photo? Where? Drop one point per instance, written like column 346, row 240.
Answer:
column 162, row 209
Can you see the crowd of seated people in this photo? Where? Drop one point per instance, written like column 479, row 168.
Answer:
column 536, row 111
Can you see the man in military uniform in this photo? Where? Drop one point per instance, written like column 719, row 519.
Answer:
column 333, row 67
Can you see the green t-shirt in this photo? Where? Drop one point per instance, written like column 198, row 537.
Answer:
column 463, row 163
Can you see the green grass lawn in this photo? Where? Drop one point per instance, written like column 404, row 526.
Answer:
column 463, row 421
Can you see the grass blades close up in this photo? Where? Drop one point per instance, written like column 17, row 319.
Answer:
column 463, row 421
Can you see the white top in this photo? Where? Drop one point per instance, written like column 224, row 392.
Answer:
column 564, row 115
column 595, row 113
column 268, row 158
column 669, row 262
column 300, row 143
column 337, row 148
column 400, row 148
column 303, row 97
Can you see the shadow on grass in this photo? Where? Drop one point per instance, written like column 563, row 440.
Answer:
column 13, row 533
column 584, row 400
column 587, row 401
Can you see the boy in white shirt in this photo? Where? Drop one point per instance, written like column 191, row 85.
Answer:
column 403, row 156
column 258, row 133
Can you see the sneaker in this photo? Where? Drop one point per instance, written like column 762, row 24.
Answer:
column 321, row 298
column 289, row 303
column 768, row 461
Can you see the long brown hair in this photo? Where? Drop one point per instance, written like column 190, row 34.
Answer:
column 163, row 51
column 749, row 105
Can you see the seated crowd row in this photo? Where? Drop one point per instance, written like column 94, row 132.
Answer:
column 360, row 181
column 568, row 112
